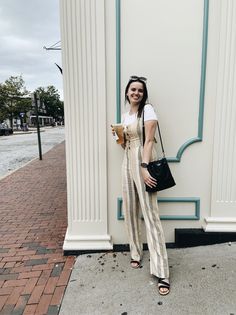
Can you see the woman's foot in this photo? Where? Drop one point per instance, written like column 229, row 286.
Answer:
column 135, row 264
column 163, row 286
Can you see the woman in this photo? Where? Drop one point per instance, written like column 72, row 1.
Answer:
column 134, row 177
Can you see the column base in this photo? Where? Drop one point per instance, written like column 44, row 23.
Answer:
column 87, row 242
column 220, row 224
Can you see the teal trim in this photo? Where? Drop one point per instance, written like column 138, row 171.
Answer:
column 202, row 87
column 183, row 147
column 203, row 67
column 118, row 88
column 120, row 215
column 195, row 200
column 202, row 82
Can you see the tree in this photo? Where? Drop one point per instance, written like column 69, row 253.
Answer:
column 49, row 96
column 14, row 98
column 3, row 111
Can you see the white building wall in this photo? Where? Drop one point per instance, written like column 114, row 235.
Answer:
column 222, row 65
column 84, row 77
column 164, row 41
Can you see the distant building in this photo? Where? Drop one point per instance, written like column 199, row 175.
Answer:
column 43, row 120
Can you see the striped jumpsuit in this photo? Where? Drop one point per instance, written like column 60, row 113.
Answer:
column 135, row 197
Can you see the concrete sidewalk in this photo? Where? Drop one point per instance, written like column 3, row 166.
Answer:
column 203, row 282
column 32, row 130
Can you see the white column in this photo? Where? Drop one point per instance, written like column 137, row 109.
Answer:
column 223, row 200
column 84, row 76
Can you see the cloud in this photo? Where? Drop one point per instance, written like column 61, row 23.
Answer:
column 27, row 26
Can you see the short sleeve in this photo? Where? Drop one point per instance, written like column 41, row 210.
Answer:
column 149, row 113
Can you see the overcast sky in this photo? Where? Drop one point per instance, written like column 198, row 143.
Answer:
column 25, row 27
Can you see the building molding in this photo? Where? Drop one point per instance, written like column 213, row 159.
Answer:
column 87, row 242
column 195, row 200
column 199, row 137
column 220, row 224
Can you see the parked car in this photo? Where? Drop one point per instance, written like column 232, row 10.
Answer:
column 5, row 130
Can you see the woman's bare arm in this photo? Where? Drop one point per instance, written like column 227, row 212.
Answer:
column 150, row 129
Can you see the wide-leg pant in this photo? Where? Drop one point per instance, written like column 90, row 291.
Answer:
column 135, row 198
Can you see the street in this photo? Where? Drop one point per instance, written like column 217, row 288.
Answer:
column 18, row 149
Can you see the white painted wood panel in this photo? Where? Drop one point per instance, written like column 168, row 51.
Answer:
column 84, row 74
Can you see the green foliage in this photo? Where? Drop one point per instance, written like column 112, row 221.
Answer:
column 14, row 98
column 50, row 98
column 3, row 112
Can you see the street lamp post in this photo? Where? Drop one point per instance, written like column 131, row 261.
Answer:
column 36, row 100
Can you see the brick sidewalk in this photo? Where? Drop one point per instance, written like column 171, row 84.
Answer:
column 33, row 271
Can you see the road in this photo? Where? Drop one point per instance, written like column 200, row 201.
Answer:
column 18, row 149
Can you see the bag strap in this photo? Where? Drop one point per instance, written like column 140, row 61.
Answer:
column 159, row 131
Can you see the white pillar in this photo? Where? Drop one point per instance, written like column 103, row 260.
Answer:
column 84, row 76
column 223, row 199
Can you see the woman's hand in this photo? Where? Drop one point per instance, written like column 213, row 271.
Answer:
column 113, row 131
column 148, row 179
column 116, row 137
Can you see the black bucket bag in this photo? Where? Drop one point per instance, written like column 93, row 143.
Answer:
column 159, row 169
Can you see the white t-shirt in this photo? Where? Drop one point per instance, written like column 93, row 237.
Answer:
column 149, row 114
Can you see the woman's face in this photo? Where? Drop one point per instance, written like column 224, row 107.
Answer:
column 135, row 93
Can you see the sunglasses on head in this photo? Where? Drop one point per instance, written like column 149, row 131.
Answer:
column 135, row 77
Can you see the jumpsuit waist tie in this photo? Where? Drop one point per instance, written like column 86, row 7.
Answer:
column 132, row 143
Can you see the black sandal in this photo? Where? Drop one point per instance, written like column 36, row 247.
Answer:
column 163, row 284
column 135, row 262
